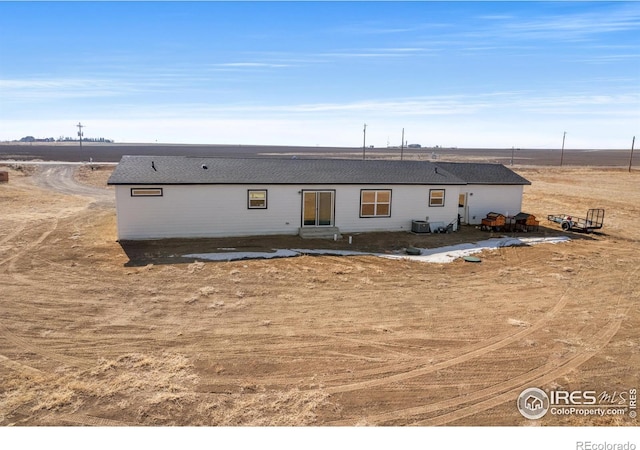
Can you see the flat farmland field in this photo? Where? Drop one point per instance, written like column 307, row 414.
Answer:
column 97, row 333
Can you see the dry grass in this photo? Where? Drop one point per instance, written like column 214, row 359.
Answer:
column 155, row 390
column 152, row 383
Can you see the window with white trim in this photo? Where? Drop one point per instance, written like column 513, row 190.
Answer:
column 146, row 192
column 375, row 203
column 257, row 199
column 436, row 197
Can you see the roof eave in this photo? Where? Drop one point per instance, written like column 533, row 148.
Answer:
column 376, row 183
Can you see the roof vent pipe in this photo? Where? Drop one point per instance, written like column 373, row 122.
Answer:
column 204, row 166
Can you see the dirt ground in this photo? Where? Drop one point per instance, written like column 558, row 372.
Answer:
column 93, row 332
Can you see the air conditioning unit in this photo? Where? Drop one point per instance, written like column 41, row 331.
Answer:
column 419, row 226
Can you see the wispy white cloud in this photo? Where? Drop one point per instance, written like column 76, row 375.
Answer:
column 584, row 104
column 376, row 28
column 575, row 26
column 269, row 60
column 52, row 88
column 378, row 52
column 418, row 106
column 120, row 86
column 467, row 105
column 496, row 17
column 250, row 65
column 472, row 105
column 413, row 106
column 609, row 58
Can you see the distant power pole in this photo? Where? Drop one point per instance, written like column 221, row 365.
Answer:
column 80, row 134
column 364, row 140
column 633, row 141
column 402, row 146
column 562, row 151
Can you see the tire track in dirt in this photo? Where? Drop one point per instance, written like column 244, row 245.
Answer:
column 13, row 234
column 33, row 244
column 417, row 367
column 15, row 365
column 10, row 268
column 540, row 376
column 86, row 420
column 39, row 350
column 11, row 337
column 502, row 392
column 375, row 344
column 13, row 259
column 472, row 347
column 470, row 352
column 57, row 178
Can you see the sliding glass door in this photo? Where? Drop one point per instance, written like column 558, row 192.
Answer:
column 317, row 208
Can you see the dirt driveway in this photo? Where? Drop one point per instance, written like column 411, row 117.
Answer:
column 92, row 333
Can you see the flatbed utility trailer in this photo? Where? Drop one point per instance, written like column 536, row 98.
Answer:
column 593, row 221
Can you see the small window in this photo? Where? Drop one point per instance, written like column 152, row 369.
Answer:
column 257, row 199
column 461, row 199
column 375, row 203
column 436, row 197
column 146, row 192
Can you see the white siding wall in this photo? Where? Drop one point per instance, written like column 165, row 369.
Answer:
column 505, row 199
column 407, row 203
column 206, row 211
column 221, row 210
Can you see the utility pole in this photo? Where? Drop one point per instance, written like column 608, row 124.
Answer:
column 402, row 146
column 562, row 151
column 512, row 151
column 364, row 140
column 80, row 134
column 633, row 141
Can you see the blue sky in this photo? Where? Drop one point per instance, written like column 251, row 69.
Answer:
column 465, row 74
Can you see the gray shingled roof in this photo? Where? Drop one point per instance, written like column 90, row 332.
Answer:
column 140, row 170
column 189, row 170
column 483, row 173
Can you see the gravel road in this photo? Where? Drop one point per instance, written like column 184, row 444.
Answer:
column 60, row 178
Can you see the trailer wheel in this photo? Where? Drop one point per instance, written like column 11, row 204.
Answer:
column 566, row 226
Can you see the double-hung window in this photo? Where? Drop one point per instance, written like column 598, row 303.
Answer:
column 257, row 199
column 436, row 197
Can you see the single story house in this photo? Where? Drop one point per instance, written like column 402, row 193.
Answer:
column 183, row 196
